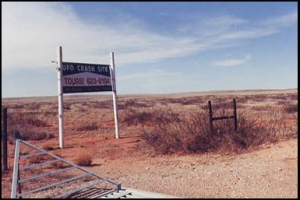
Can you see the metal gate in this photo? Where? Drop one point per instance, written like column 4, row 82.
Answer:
column 37, row 174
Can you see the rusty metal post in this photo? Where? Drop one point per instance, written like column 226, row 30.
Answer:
column 234, row 115
column 4, row 144
column 210, row 116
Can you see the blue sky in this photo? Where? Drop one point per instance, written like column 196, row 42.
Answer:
column 159, row 47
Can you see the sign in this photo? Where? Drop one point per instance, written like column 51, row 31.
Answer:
column 82, row 77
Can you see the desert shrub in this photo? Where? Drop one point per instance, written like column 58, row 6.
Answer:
column 24, row 152
column 48, row 147
column 87, row 127
column 180, row 134
column 29, row 134
column 26, row 119
column 220, row 104
column 259, row 97
column 67, row 107
column 108, row 104
column 17, row 106
column 50, row 136
column 243, row 99
column 192, row 133
column 173, row 100
column 134, row 117
column 146, row 117
column 183, row 100
column 59, row 164
column 192, row 101
column 83, row 160
column 81, row 109
column 133, row 103
column 290, row 107
column 49, row 113
column 37, row 159
column 27, row 123
column 33, row 106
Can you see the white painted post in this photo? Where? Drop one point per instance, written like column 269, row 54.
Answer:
column 114, row 91
column 60, row 98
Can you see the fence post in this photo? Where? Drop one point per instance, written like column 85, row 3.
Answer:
column 210, row 116
column 5, row 139
column 234, row 115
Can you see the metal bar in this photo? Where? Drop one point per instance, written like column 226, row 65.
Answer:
column 222, row 117
column 72, row 164
column 45, row 174
column 54, row 184
column 103, row 194
column 114, row 92
column 210, row 116
column 130, row 196
column 116, row 195
column 5, row 167
column 19, row 184
column 39, row 164
column 60, row 97
column 31, row 155
column 235, row 114
column 18, row 181
column 15, row 171
column 95, row 193
column 86, row 193
column 77, row 190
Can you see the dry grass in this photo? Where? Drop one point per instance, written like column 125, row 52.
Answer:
column 172, row 123
column 37, row 159
column 83, row 160
column 192, row 134
column 291, row 107
column 160, row 124
column 189, row 132
column 87, row 127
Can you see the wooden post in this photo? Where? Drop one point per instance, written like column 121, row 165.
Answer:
column 234, row 115
column 5, row 167
column 210, row 116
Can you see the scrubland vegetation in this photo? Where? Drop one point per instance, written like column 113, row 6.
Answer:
column 155, row 125
column 166, row 123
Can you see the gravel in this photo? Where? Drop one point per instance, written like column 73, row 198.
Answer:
column 268, row 173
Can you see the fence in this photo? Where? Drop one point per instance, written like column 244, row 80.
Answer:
column 4, row 139
column 43, row 178
column 211, row 118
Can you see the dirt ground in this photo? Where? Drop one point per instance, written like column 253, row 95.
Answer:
column 271, row 171
column 267, row 171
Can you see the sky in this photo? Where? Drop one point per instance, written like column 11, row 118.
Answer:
column 159, row 47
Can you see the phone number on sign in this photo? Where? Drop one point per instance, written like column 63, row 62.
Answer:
column 98, row 81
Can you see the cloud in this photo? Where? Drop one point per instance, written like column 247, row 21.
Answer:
column 232, row 62
column 31, row 32
column 281, row 21
column 208, row 26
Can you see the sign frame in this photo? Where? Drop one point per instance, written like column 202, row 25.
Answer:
column 84, row 77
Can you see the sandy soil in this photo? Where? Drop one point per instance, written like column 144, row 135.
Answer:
column 271, row 171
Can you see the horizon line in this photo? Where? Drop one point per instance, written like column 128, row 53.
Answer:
column 142, row 94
